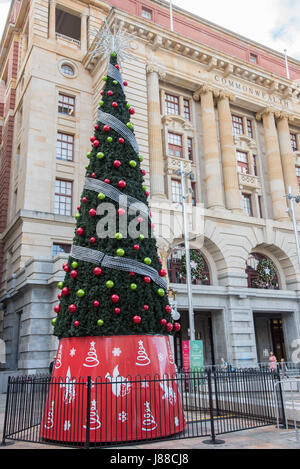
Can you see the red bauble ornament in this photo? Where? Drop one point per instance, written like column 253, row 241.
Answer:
column 177, row 327
column 78, row 208
column 117, row 163
column 114, row 104
column 143, row 172
column 96, row 127
column 65, row 291
column 80, row 231
column 74, row 273
column 110, row 93
column 168, row 309
column 59, row 296
column 92, row 240
column 121, row 140
column 93, row 212
column 147, row 193
column 136, row 247
column 137, row 319
column 76, row 323
column 97, row 271
column 66, row 268
column 146, row 307
column 96, row 304
column 102, row 92
column 169, row 327
column 117, row 310
column 163, row 322
column 84, row 200
column 132, row 274
column 93, row 138
column 106, row 128
column 121, row 212
column 72, row 309
column 122, row 184
column 162, row 273
column 115, row 298
column 147, row 279
column 125, row 83
column 57, row 309
column 93, row 175
column 117, row 66
column 131, row 110
column 96, row 143
column 107, row 181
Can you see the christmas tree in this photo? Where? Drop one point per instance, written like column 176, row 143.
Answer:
column 113, row 317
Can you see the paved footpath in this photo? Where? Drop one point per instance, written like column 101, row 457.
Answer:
column 259, row 438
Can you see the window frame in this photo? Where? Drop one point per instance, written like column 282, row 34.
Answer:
column 169, row 104
column 61, row 252
column 175, row 147
column 62, row 104
column 176, row 195
column 59, row 132
column 63, row 194
column 237, row 125
column 248, row 197
column 187, row 109
column 146, row 10
column 242, row 164
column 294, row 143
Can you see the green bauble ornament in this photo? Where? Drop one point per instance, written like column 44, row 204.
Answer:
column 109, row 284
column 141, row 237
column 115, row 82
column 132, row 163
column 147, row 261
column 101, row 196
column 101, row 103
column 60, row 285
column 88, row 155
column 100, row 322
column 104, row 78
column 113, row 54
column 118, row 236
column 160, row 292
column 141, row 158
column 74, row 265
column 109, row 139
column 120, row 252
column 133, row 286
column 129, row 125
column 100, row 155
column 144, row 188
column 53, row 322
column 80, row 293
column 77, row 216
column 128, row 105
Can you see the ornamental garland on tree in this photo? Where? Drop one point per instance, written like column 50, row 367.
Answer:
column 197, row 265
column 114, row 283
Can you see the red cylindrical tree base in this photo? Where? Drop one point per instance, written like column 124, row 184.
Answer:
column 132, row 391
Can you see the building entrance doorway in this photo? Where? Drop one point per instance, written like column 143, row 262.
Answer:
column 269, row 333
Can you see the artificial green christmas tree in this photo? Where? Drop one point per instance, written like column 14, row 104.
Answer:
column 113, row 317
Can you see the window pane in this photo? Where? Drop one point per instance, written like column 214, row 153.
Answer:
column 176, row 191
column 171, row 104
column 64, row 147
column 237, row 123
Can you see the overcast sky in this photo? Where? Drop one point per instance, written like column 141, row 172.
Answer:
column 274, row 23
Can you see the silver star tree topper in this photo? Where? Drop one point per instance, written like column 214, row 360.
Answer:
column 108, row 41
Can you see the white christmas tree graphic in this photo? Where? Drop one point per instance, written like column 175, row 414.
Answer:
column 142, row 358
column 149, row 423
column 94, row 417
column 91, row 360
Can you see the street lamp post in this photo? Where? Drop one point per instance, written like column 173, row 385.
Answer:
column 183, row 175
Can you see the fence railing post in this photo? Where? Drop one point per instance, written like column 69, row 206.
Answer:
column 88, row 412
column 213, row 440
column 280, row 401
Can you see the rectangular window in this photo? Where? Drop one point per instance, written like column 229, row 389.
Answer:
column 294, row 142
column 243, row 163
column 63, row 197
column 190, row 148
column 247, row 204
column 171, row 104
column 175, row 145
column 253, row 58
column 67, row 25
column 260, row 206
column 186, row 109
column 146, row 13
column 65, row 147
column 249, row 127
column 176, row 191
column 59, row 248
column 255, row 165
column 238, row 126
column 66, row 105
column 194, row 194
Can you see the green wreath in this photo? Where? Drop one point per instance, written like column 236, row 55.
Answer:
column 197, row 265
column 266, row 270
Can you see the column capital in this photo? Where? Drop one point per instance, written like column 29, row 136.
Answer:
column 267, row 111
column 280, row 115
column 226, row 95
column 155, row 68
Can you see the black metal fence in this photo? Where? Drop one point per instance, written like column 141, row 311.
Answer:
column 209, row 403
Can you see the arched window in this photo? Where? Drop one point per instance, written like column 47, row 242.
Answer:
column 176, row 267
column 261, row 272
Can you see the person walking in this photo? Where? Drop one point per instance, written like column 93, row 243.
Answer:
column 273, row 362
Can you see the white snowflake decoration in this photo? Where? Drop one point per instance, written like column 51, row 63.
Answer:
column 176, row 421
column 108, row 41
column 116, row 352
column 122, row 416
column 72, row 352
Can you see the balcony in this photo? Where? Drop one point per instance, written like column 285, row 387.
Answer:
column 249, row 181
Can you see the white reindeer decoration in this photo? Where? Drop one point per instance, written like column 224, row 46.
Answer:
column 119, row 385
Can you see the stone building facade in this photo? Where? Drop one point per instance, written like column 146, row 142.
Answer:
column 203, row 95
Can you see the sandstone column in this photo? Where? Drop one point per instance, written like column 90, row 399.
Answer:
column 155, row 133
column 229, row 164
column 214, row 187
column 274, row 164
column 52, row 9
column 83, row 32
